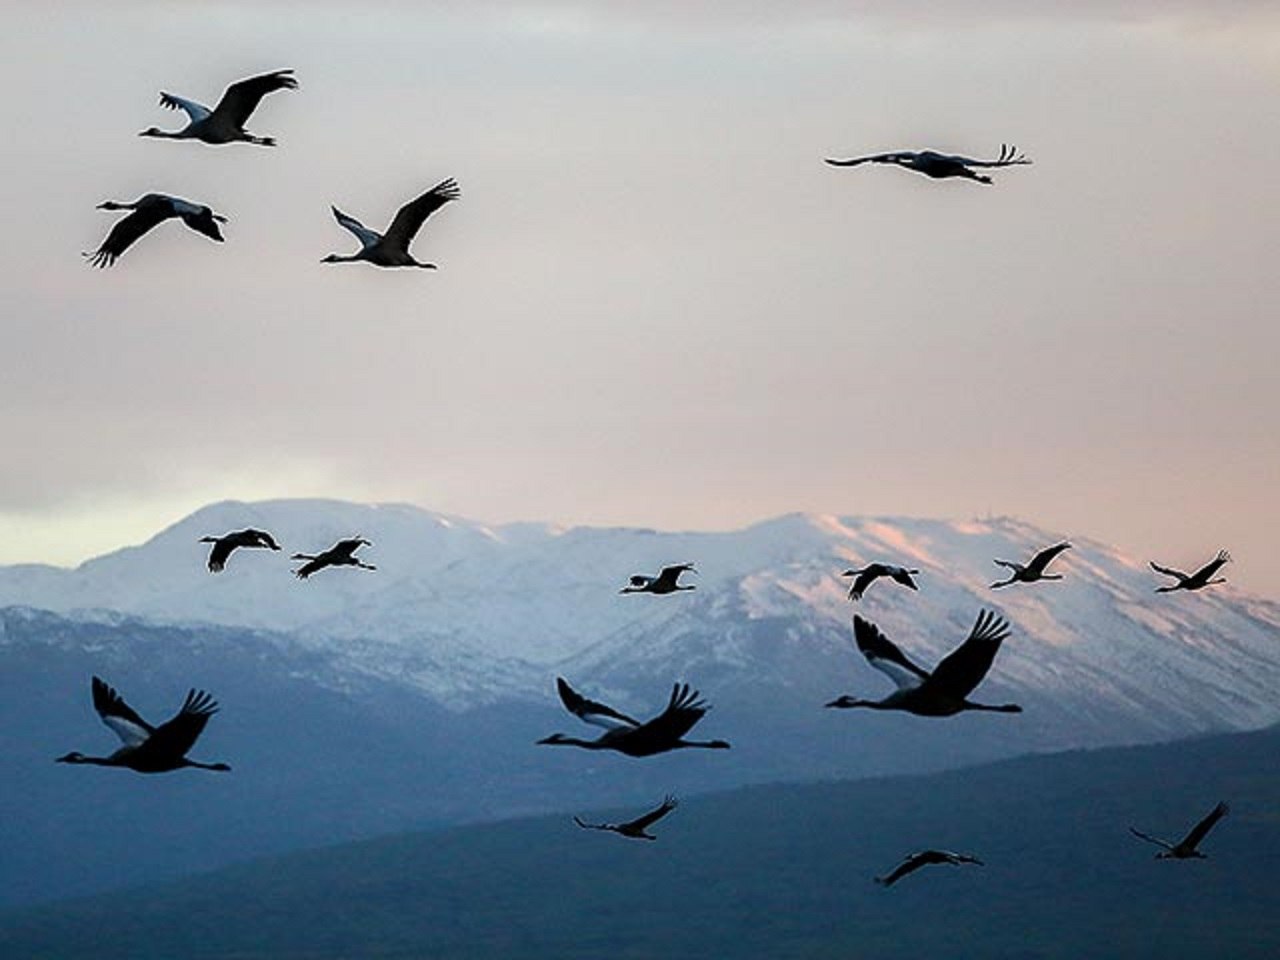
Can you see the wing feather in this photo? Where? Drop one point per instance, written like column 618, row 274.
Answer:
column 178, row 735
column 963, row 669
column 118, row 715
column 242, row 97
column 883, row 654
column 195, row 111
column 653, row 816
column 591, row 711
column 126, row 232
column 1201, row 829
column 408, row 221
column 367, row 237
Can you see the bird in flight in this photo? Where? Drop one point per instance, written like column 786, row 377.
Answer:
column 341, row 554
column 1034, row 569
column 622, row 733
column 391, row 249
column 1197, row 581
column 149, row 749
column 148, row 211
column 939, row 165
column 874, row 571
column 913, row 862
column 667, row 581
column 945, row 691
column 222, row 546
column 1186, row 848
column 225, row 122
column 635, row 829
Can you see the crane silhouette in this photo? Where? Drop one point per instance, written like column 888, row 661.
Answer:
column 224, row 545
column 1197, row 581
column 635, row 829
column 939, row 166
column 391, row 249
column 225, row 122
column 628, row 736
column 667, row 581
column 945, row 691
column 149, row 749
column 149, row 211
column 1034, row 569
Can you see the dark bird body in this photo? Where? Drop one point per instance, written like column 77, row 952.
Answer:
column 945, row 691
column 939, row 166
column 341, row 554
column 391, row 249
column 149, row 211
column 149, row 749
column 667, row 581
column 664, row 732
column 222, row 546
column 874, row 571
column 634, row 829
column 913, row 862
column 1034, row 569
column 1186, row 848
column 1196, row 581
column 225, row 122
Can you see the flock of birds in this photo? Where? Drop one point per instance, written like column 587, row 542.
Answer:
column 942, row 692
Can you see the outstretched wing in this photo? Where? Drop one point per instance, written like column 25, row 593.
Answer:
column 897, row 156
column 312, row 565
column 590, row 711
column 1213, row 566
column 243, row 97
column 118, row 715
column 1045, row 557
column 684, row 709
column 909, row 864
column 1150, row 839
column 903, row 576
column 127, row 231
column 1009, row 156
column 669, row 803
column 347, row 548
column 179, row 735
column 1201, row 829
column 1167, row 571
column 367, row 237
column 196, row 111
column 883, row 654
column 670, row 576
column 963, row 669
column 263, row 539
column 221, row 551
column 865, row 578
column 410, row 217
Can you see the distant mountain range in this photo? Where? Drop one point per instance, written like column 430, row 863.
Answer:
column 763, row 872
column 357, row 703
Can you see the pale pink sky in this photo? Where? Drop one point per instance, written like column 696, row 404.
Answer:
column 655, row 304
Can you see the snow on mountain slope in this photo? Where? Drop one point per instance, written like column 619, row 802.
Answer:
column 467, row 612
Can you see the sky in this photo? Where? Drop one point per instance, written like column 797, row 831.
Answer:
column 655, row 304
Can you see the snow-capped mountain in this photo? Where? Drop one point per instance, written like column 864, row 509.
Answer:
column 470, row 613
column 360, row 702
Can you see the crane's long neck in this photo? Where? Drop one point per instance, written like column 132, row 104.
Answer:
column 95, row 761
